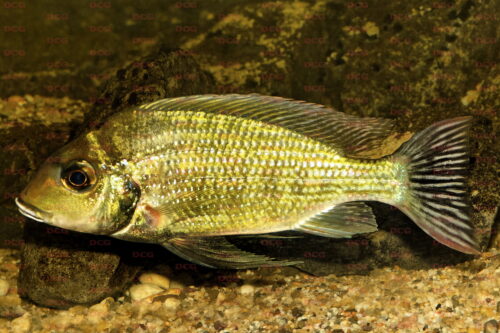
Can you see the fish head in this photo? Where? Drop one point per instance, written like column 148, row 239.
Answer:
column 77, row 189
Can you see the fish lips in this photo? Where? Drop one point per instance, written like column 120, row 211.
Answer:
column 31, row 211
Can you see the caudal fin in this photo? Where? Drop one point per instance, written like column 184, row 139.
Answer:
column 436, row 161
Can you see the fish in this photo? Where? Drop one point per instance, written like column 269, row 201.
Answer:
column 188, row 172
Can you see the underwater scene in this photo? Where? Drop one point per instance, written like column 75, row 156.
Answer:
column 249, row 166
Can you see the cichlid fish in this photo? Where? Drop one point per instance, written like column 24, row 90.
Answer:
column 185, row 172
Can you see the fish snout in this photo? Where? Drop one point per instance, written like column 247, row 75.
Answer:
column 31, row 211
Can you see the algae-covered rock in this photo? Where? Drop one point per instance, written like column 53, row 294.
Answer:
column 164, row 73
column 62, row 268
column 416, row 64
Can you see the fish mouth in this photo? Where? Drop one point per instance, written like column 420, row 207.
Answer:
column 31, row 211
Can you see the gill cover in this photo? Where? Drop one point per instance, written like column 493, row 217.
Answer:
column 117, row 205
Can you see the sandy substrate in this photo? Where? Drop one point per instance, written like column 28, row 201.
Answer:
column 463, row 298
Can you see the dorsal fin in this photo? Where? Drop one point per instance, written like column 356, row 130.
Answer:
column 347, row 134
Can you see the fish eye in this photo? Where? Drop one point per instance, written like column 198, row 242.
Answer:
column 78, row 178
column 78, row 175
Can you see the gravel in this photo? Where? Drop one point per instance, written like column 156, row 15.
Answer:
column 461, row 298
column 4, row 287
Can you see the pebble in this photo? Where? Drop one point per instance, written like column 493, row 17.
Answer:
column 171, row 303
column 10, row 300
column 247, row 290
column 155, row 279
column 142, row 291
column 97, row 312
column 4, row 287
column 221, row 297
column 102, row 307
column 21, row 324
column 29, row 98
column 16, row 100
column 491, row 326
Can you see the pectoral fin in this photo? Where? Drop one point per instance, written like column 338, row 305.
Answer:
column 342, row 221
column 217, row 252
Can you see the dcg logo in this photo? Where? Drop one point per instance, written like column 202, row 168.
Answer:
column 100, row 242
column 143, row 254
column 400, row 231
column 54, row 230
column 271, row 242
column 314, row 254
column 186, row 267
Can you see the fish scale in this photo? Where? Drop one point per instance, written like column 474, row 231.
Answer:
column 185, row 172
column 278, row 193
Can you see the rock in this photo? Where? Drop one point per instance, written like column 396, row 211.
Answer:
column 171, row 303
column 98, row 311
column 16, row 100
column 155, row 279
column 10, row 306
column 29, row 98
column 4, row 287
column 174, row 291
column 247, row 290
column 61, row 268
column 141, row 291
column 347, row 69
column 157, row 72
column 10, row 300
column 22, row 324
column 491, row 326
column 220, row 298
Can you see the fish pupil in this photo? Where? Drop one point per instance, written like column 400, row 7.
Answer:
column 77, row 178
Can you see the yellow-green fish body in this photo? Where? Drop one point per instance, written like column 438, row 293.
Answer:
column 184, row 172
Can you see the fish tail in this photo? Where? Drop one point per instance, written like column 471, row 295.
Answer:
column 436, row 163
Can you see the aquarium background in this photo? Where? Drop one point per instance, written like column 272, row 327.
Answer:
column 65, row 66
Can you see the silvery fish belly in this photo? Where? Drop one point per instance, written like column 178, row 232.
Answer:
column 185, row 172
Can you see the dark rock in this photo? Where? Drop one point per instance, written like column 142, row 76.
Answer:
column 491, row 326
column 298, row 312
column 219, row 326
column 367, row 327
column 165, row 73
column 60, row 268
column 429, row 83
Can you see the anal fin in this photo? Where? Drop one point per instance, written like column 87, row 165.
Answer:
column 341, row 221
column 217, row 252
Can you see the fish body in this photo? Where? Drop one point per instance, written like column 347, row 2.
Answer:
column 185, row 172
